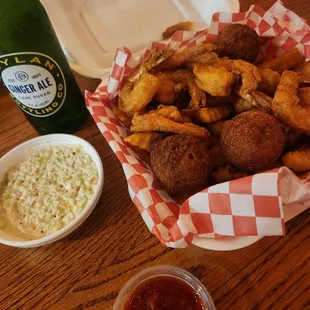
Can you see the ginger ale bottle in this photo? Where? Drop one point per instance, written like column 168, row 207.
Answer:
column 34, row 70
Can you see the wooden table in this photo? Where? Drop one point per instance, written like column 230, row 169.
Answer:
column 87, row 269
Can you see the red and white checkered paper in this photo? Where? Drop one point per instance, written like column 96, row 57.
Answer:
column 251, row 206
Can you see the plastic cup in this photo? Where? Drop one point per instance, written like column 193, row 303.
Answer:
column 161, row 271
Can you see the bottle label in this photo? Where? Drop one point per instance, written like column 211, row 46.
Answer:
column 35, row 81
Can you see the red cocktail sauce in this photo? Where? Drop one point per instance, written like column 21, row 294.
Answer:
column 163, row 293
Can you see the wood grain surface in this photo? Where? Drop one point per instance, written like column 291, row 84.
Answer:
column 86, row 269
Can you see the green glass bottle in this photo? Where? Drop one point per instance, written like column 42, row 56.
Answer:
column 34, row 70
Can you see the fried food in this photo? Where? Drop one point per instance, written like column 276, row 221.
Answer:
column 188, row 114
column 154, row 122
column 181, row 163
column 285, row 61
column 208, row 58
column 170, row 112
column 186, row 77
column 185, row 26
column 219, row 101
column 211, row 115
column 252, row 141
column 217, row 157
column 215, row 80
column 269, row 81
column 242, row 105
column 141, row 140
column 134, row 97
column 178, row 58
column 186, row 119
column 141, row 86
column 227, row 173
column 286, row 105
column 216, row 128
column 297, row 160
column 261, row 101
column 168, row 91
column 304, row 96
column 305, row 72
column 122, row 116
column 218, row 80
column 238, row 41
column 249, row 74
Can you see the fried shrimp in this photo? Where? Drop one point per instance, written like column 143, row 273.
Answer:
column 208, row 58
column 218, row 80
column 168, row 91
column 249, row 74
column 297, row 160
column 178, row 58
column 215, row 80
column 187, row 78
column 286, row 105
column 260, row 102
column 141, row 86
column 269, row 81
column 211, row 115
column 153, row 122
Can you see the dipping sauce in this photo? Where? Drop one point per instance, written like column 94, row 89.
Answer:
column 163, row 293
column 48, row 190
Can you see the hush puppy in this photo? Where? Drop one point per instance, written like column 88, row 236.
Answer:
column 238, row 42
column 180, row 163
column 252, row 140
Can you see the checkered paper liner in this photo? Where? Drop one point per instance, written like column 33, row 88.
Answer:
column 251, row 206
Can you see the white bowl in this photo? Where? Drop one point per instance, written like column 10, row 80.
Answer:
column 24, row 150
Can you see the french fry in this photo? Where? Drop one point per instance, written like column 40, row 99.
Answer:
column 141, row 140
column 283, row 62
